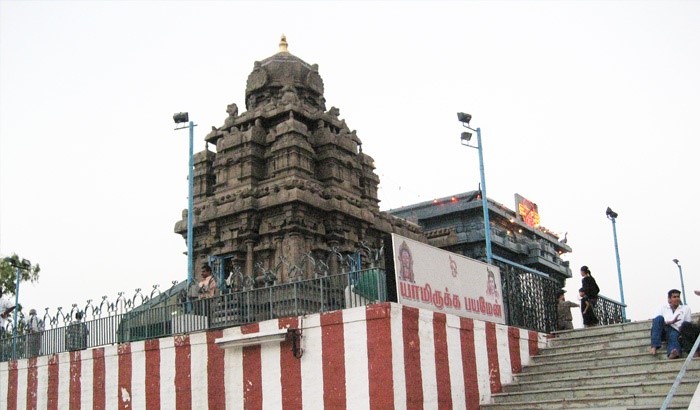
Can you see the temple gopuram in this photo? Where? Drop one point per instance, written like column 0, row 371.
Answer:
column 288, row 187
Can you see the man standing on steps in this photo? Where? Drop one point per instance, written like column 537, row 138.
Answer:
column 667, row 324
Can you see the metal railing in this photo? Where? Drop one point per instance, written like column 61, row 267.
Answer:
column 529, row 297
column 302, row 297
column 608, row 311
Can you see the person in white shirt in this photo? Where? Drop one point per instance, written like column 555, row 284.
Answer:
column 6, row 307
column 667, row 324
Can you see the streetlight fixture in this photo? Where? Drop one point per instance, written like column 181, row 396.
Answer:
column 19, row 266
column 680, row 271
column 465, row 119
column 612, row 215
column 181, row 118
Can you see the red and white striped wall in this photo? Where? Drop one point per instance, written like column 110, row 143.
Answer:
column 383, row 356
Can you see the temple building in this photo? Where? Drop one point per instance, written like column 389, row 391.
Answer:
column 288, row 186
column 456, row 224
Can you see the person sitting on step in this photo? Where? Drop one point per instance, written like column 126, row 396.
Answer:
column 667, row 324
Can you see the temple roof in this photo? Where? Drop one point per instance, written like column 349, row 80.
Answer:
column 284, row 69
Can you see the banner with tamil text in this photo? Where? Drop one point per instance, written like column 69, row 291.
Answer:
column 431, row 278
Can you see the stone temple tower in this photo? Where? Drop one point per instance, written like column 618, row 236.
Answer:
column 288, row 188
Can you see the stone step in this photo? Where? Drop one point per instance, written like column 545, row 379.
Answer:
column 612, row 402
column 598, row 348
column 607, row 333
column 604, row 330
column 646, row 388
column 637, row 336
column 562, row 363
column 592, row 369
column 584, row 378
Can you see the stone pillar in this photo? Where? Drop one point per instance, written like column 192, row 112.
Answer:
column 249, row 258
column 333, row 263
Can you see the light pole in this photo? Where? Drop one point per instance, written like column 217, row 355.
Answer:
column 181, row 118
column 466, row 136
column 612, row 215
column 680, row 271
column 19, row 266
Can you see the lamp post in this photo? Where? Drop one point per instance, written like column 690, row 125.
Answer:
column 612, row 215
column 465, row 138
column 680, row 271
column 19, row 267
column 181, row 118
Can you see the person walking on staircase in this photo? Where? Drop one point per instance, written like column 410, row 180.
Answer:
column 667, row 324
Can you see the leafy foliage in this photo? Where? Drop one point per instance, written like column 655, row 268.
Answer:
column 8, row 272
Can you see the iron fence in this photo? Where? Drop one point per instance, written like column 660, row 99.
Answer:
column 301, row 297
column 608, row 311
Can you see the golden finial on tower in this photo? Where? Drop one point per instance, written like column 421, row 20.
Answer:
column 283, row 44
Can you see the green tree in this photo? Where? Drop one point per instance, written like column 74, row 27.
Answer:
column 8, row 273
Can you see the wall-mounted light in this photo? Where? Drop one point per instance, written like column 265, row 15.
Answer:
column 251, row 339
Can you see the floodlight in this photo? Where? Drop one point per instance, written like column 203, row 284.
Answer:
column 610, row 213
column 466, row 137
column 181, row 117
column 463, row 117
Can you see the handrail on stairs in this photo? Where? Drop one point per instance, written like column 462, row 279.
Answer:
column 680, row 375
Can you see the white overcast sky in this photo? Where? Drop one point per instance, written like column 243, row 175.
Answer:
column 582, row 105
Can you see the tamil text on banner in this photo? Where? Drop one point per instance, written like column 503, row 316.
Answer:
column 431, row 278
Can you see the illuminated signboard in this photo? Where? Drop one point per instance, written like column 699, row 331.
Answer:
column 527, row 211
column 431, row 278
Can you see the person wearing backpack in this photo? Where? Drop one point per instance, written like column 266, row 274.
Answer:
column 589, row 285
column 34, row 328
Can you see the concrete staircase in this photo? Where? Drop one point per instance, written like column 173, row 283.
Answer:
column 605, row 367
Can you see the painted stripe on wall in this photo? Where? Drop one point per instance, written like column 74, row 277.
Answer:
column 74, row 369
column 427, row 357
column 454, row 353
column 411, row 358
column 252, row 376
column 52, row 390
column 22, row 374
column 153, row 372
column 483, row 373
column 42, row 382
column 290, row 377
column 233, row 360
column 356, row 357
column 379, row 353
column 270, row 371
column 111, row 377
column 125, row 391
column 514, row 349
column 64, row 380
column 492, row 355
column 333, row 354
column 442, row 362
column 98, row 379
column 32, row 375
column 215, row 371
column 398, row 366
column 198, row 368
column 168, row 396
column 12, row 386
column 504, row 360
column 87, row 379
column 138, row 375
column 534, row 342
column 183, row 387
column 312, row 364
